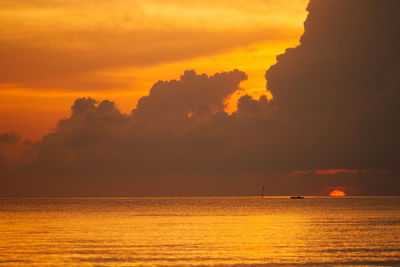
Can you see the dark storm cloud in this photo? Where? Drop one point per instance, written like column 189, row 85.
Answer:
column 342, row 84
column 97, row 146
column 159, row 135
column 9, row 137
column 334, row 121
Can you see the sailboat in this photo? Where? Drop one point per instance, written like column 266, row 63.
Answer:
column 262, row 192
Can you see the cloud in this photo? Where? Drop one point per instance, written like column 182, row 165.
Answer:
column 75, row 45
column 156, row 137
column 341, row 83
column 333, row 123
column 9, row 137
column 192, row 93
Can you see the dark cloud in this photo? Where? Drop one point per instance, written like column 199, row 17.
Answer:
column 341, row 83
column 9, row 137
column 192, row 93
column 333, row 122
column 347, row 53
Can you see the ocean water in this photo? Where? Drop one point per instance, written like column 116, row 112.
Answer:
column 204, row 231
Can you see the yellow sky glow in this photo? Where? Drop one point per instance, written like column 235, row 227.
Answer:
column 54, row 51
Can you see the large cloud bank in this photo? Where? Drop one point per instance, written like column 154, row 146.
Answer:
column 335, row 106
column 342, row 82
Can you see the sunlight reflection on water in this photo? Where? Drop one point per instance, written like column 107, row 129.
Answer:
column 199, row 231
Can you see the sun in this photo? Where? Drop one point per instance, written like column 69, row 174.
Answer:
column 337, row 193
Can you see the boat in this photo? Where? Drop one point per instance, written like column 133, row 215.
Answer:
column 297, row 197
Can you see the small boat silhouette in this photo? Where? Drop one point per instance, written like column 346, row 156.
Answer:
column 297, row 197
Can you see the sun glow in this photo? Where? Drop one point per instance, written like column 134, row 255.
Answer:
column 57, row 51
column 337, row 193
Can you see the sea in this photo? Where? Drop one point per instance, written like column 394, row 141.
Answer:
column 200, row 231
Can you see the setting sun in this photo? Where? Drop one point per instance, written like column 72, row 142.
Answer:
column 337, row 193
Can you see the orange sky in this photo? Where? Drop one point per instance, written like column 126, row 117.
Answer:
column 54, row 51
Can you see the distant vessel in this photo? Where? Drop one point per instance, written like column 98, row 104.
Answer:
column 262, row 192
column 297, row 197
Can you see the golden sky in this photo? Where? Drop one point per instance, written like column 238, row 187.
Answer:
column 54, row 51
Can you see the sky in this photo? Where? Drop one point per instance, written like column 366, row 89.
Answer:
column 238, row 101
column 54, row 51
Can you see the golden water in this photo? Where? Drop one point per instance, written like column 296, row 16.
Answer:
column 199, row 231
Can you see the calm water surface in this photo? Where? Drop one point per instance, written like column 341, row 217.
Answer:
column 199, row 231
